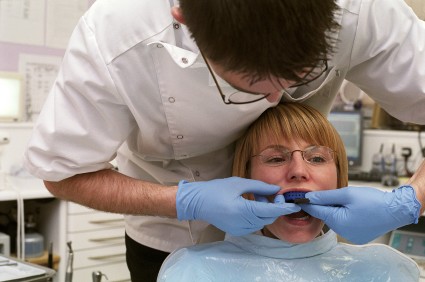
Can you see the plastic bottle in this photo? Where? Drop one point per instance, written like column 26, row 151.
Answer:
column 34, row 241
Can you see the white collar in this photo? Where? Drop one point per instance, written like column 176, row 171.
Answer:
column 276, row 248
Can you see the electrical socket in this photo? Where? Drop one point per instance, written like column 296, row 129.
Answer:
column 401, row 150
column 406, row 152
column 4, row 137
column 4, row 140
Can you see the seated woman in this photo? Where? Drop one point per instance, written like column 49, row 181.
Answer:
column 295, row 147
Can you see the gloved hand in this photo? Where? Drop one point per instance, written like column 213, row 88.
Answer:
column 220, row 203
column 361, row 214
column 278, row 199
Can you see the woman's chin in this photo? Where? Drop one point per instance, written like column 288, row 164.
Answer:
column 297, row 233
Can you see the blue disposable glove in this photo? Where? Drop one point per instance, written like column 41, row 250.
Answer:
column 361, row 214
column 278, row 199
column 220, row 203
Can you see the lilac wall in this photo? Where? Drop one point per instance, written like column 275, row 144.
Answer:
column 9, row 52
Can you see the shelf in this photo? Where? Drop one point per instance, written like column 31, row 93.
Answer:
column 12, row 187
column 8, row 125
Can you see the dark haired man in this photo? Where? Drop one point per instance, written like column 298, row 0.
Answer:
column 168, row 87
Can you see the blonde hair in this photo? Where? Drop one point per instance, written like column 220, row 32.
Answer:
column 290, row 121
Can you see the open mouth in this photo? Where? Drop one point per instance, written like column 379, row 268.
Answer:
column 296, row 197
column 301, row 215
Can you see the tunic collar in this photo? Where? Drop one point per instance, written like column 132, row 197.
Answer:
column 275, row 248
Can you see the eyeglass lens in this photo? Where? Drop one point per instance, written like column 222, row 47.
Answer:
column 315, row 155
column 239, row 97
column 313, row 75
column 244, row 98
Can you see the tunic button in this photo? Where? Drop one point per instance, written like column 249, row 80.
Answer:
column 184, row 60
column 171, row 99
column 179, row 136
column 159, row 45
column 197, row 173
column 176, row 25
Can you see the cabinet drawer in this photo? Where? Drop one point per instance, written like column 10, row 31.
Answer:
column 94, row 257
column 74, row 208
column 115, row 272
column 95, row 239
column 93, row 221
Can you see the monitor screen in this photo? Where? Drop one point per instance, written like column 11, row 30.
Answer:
column 12, row 100
column 349, row 126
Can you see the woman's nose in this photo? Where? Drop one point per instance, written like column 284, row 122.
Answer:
column 297, row 167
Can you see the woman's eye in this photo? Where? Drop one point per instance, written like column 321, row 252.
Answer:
column 276, row 159
column 317, row 159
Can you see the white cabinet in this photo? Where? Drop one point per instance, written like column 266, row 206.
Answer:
column 98, row 243
column 97, row 237
column 113, row 271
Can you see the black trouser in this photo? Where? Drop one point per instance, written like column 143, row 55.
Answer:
column 143, row 262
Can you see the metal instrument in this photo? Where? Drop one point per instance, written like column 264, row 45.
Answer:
column 97, row 276
column 70, row 264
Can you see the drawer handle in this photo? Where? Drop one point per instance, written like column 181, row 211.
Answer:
column 107, row 239
column 106, row 221
column 105, row 257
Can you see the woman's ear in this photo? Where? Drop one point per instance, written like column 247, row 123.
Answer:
column 177, row 14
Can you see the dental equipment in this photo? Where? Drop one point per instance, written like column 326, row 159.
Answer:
column 296, row 197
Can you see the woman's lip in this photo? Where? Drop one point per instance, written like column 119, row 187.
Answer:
column 285, row 190
column 301, row 221
column 298, row 215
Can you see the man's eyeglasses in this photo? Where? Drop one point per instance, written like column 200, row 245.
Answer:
column 314, row 155
column 240, row 97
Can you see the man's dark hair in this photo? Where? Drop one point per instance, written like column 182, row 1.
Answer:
column 263, row 38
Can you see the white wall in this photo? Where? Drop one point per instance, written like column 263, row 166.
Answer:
column 11, row 154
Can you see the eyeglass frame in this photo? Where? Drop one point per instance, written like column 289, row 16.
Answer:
column 290, row 153
column 263, row 96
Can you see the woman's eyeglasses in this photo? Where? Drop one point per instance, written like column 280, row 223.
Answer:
column 277, row 156
column 240, row 97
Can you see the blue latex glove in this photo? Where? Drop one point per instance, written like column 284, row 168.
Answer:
column 220, row 203
column 278, row 199
column 361, row 214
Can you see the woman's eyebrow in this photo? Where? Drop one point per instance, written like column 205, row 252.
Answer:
column 276, row 147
